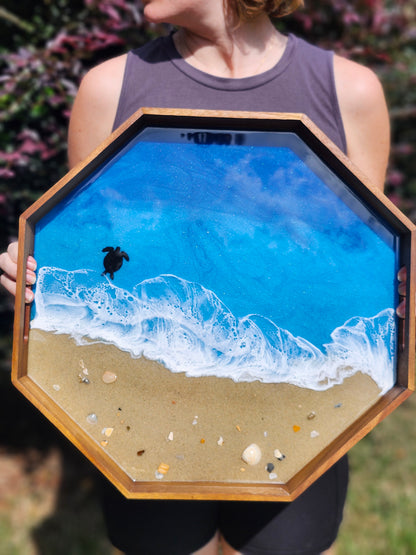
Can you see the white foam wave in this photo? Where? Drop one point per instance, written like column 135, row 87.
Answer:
column 189, row 329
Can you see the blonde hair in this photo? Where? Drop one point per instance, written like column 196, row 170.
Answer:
column 250, row 9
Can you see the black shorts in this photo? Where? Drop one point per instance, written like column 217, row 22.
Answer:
column 306, row 526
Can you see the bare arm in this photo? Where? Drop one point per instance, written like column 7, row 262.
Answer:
column 365, row 117
column 94, row 109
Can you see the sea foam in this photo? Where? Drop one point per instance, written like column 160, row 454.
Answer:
column 187, row 328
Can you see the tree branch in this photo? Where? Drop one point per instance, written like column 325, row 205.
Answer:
column 15, row 20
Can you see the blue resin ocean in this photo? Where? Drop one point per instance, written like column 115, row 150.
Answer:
column 245, row 260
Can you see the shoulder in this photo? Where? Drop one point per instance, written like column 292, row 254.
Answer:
column 358, row 87
column 94, row 108
column 107, row 73
column 365, row 117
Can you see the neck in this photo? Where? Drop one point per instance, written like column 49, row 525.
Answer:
column 242, row 51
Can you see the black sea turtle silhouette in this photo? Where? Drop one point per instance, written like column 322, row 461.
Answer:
column 113, row 260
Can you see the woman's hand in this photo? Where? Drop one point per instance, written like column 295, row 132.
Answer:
column 402, row 277
column 8, row 266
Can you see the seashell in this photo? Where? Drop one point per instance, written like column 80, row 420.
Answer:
column 107, row 431
column 92, row 418
column 251, row 454
column 314, row 433
column 109, row 377
column 279, row 455
column 170, row 436
column 220, row 441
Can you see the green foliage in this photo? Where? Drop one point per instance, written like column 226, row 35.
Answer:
column 382, row 496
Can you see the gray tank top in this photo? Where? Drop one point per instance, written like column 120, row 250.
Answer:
column 302, row 81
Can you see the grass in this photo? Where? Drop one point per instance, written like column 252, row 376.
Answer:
column 49, row 504
column 381, row 506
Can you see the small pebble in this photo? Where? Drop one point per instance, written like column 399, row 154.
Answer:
column 83, row 379
column 109, row 377
column 202, row 440
column 107, row 431
column 251, row 454
column 56, row 387
column 311, row 415
column 279, row 455
column 159, row 475
column 140, row 452
column 314, row 433
column 296, row 428
column 270, row 467
column 170, row 436
column 265, row 434
column 272, row 475
column 238, row 428
column 104, row 443
column 338, row 405
column 92, row 418
column 195, row 421
column 220, row 441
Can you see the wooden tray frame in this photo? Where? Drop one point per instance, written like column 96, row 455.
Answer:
column 238, row 121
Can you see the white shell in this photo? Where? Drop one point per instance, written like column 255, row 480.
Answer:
column 279, row 455
column 251, row 454
column 92, row 418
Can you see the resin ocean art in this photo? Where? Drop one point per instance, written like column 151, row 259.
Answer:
column 244, row 262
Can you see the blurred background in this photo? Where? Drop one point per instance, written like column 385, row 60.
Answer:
column 48, row 501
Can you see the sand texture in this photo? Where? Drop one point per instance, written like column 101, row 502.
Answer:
column 199, row 427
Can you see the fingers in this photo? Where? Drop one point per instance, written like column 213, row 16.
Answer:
column 8, row 265
column 401, row 309
column 402, row 278
column 402, row 274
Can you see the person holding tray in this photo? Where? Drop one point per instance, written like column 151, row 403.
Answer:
column 228, row 55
